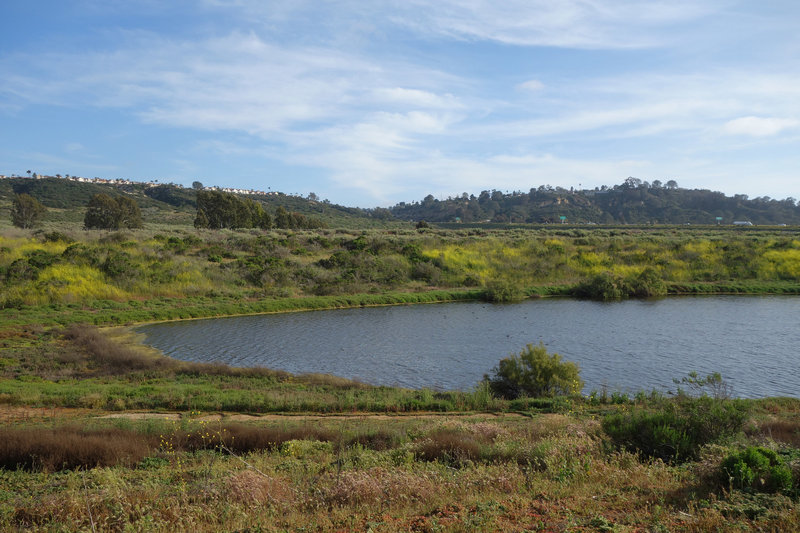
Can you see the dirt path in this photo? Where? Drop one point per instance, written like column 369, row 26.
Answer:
column 214, row 417
column 9, row 415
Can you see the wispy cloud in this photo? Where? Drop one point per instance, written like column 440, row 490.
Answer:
column 589, row 24
column 759, row 126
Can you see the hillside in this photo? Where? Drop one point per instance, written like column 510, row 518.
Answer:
column 633, row 202
column 167, row 203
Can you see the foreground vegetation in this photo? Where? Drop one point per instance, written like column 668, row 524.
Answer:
column 64, row 470
column 211, row 447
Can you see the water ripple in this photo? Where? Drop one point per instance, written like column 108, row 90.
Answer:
column 628, row 346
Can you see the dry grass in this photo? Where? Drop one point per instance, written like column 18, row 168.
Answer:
column 243, row 438
column 115, row 356
column 379, row 486
column 109, row 357
column 313, row 486
column 785, row 431
column 450, row 446
column 253, row 488
column 70, row 447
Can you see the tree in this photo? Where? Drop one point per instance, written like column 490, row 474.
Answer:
column 105, row 212
column 128, row 213
column 218, row 210
column 26, row 211
column 196, row 185
column 672, row 184
column 534, row 373
column 632, row 183
column 283, row 219
column 101, row 212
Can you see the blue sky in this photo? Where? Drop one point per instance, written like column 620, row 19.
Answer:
column 370, row 103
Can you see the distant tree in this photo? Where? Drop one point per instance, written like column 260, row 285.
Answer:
column 101, row 212
column 672, row 184
column 381, row 213
column 26, row 211
column 632, row 183
column 313, row 197
column 218, row 210
column 128, row 213
column 258, row 217
column 196, row 185
column 283, row 219
column 105, row 212
column 657, row 184
column 201, row 220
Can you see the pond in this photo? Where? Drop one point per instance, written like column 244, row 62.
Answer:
column 628, row 346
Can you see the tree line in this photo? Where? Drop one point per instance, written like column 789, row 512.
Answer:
column 219, row 210
column 215, row 210
column 632, row 202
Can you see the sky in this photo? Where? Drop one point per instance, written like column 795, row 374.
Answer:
column 374, row 102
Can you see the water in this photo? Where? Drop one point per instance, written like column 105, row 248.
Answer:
column 628, row 346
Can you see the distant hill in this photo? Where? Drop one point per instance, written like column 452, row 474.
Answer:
column 171, row 204
column 633, row 202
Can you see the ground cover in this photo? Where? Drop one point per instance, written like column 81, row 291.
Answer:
column 545, row 472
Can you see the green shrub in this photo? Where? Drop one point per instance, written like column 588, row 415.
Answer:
column 756, row 468
column 678, row 429
column 648, row 284
column 534, row 373
column 608, row 286
column 604, row 287
column 503, row 292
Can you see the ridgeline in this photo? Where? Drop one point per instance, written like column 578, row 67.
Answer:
column 633, row 202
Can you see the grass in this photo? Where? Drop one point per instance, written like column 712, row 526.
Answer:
column 549, row 472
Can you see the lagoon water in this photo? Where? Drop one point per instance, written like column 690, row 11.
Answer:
column 753, row 341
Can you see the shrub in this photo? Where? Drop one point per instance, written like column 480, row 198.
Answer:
column 534, row 373
column 756, row 468
column 604, row 287
column 607, row 286
column 678, row 430
column 503, row 292
column 648, row 284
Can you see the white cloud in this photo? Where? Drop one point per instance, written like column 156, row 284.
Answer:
column 531, row 85
column 73, row 147
column 416, row 98
column 759, row 126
